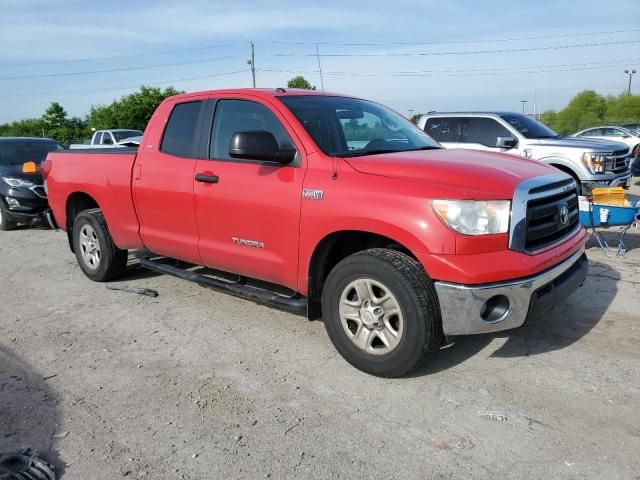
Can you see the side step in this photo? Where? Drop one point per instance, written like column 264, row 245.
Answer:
column 297, row 305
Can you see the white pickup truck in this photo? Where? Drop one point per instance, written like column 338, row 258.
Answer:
column 108, row 139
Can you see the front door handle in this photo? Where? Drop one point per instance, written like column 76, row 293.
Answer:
column 206, row 178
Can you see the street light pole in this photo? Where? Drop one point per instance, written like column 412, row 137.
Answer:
column 630, row 73
column 523, row 102
column 410, row 114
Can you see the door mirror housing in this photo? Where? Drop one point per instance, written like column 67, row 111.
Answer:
column 506, row 142
column 259, row 145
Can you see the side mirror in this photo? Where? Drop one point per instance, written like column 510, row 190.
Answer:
column 506, row 142
column 259, row 145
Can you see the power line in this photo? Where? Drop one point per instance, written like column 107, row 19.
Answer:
column 465, row 70
column 122, row 87
column 124, row 69
column 468, row 52
column 117, row 57
column 543, row 37
column 452, row 73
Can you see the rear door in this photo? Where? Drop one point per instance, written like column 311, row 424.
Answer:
column 249, row 220
column 444, row 130
column 163, row 181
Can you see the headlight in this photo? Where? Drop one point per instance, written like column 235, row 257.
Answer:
column 16, row 182
column 594, row 162
column 471, row 217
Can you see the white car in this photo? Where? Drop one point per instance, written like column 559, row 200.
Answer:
column 618, row 134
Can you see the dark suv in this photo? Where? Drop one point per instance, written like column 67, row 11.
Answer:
column 23, row 198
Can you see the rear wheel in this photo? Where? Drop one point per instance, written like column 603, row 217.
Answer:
column 381, row 312
column 5, row 223
column 97, row 255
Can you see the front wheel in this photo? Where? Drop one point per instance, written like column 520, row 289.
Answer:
column 5, row 223
column 381, row 312
column 99, row 258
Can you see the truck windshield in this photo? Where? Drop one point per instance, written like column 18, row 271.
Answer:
column 17, row 153
column 529, row 127
column 348, row 127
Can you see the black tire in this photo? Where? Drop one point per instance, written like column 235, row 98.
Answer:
column 5, row 223
column 111, row 261
column 407, row 281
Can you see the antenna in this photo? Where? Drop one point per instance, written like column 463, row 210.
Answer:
column 320, row 68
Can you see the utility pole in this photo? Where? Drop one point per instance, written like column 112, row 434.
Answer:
column 252, row 63
column 523, row 103
column 320, row 68
column 410, row 114
column 630, row 73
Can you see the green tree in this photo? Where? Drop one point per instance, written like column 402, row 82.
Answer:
column 415, row 118
column 549, row 118
column 131, row 111
column 586, row 109
column 624, row 108
column 300, row 82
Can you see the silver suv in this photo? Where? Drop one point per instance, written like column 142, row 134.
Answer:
column 593, row 163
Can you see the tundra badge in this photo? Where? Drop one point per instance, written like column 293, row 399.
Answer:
column 308, row 194
column 247, row 243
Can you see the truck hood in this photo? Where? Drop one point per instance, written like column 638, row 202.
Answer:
column 587, row 144
column 15, row 171
column 465, row 174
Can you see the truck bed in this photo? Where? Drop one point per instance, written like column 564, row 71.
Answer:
column 105, row 179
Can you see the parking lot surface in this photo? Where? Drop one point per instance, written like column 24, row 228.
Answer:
column 196, row 384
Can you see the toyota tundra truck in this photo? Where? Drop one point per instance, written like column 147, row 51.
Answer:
column 332, row 207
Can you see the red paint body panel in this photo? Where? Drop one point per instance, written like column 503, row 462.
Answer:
column 106, row 177
column 386, row 194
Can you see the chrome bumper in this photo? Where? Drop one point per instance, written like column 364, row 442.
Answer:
column 621, row 181
column 492, row 307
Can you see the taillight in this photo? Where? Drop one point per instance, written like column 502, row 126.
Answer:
column 45, row 167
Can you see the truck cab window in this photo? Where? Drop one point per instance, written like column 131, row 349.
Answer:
column 106, row 138
column 484, row 131
column 232, row 116
column 179, row 135
column 98, row 139
column 444, row 129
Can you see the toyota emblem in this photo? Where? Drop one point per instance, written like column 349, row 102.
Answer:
column 564, row 214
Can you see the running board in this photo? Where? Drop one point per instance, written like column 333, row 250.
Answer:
column 297, row 305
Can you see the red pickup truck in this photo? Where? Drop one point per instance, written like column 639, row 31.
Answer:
column 333, row 207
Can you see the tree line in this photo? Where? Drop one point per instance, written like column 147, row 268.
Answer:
column 130, row 111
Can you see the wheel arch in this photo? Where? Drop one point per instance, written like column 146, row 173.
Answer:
column 77, row 203
column 336, row 246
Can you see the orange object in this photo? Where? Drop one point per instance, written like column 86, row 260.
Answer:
column 610, row 196
column 29, row 167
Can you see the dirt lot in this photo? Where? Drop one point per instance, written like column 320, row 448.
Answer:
column 196, row 384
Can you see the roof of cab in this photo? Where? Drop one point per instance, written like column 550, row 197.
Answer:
column 263, row 92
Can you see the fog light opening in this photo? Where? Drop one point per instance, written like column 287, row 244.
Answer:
column 12, row 202
column 495, row 309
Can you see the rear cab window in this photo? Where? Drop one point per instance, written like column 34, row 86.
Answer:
column 179, row 138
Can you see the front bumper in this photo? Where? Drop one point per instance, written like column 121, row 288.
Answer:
column 623, row 180
column 492, row 307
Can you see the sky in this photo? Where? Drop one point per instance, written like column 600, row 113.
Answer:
column 414, row 56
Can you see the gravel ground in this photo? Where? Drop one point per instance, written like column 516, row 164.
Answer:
column 196, row 384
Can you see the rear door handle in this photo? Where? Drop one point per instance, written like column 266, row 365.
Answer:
column 206, row 178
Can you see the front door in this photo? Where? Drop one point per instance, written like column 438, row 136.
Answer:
column 249, row 219
column 163, row 184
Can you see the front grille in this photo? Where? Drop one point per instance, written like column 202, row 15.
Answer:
column 544, row 219
column 618, row 161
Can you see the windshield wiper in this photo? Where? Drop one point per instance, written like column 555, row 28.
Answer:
column 381, row 150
